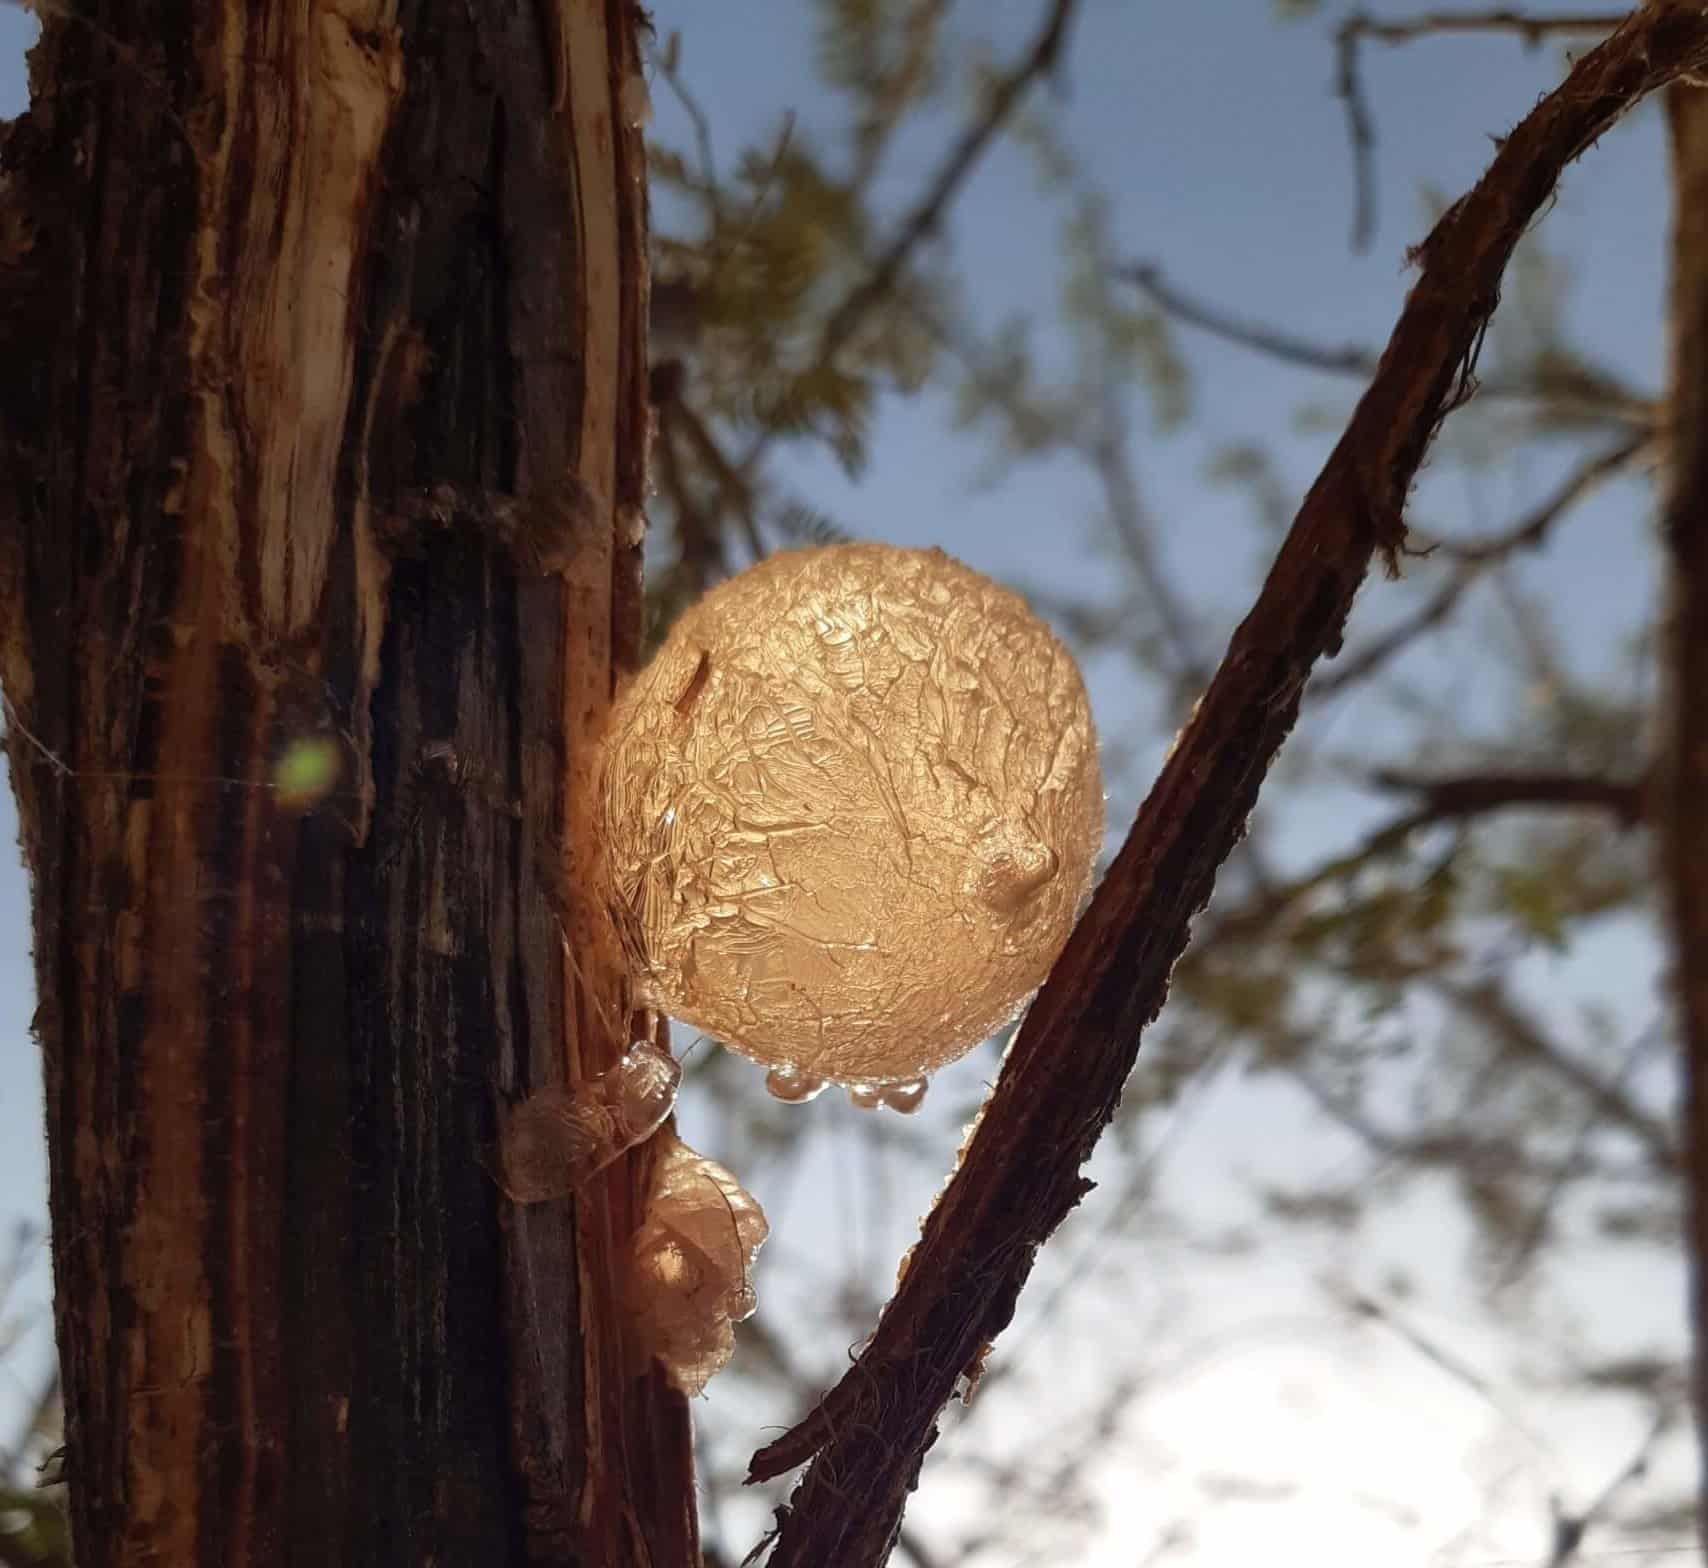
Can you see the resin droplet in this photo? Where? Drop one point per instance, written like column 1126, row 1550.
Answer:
column 555, row 1139
column 907, row 1096
column 792, row 1085
column 851, row 810
column 691, row 1267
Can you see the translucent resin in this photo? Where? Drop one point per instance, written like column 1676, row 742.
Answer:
column 691, row 1267
column 555, row 1139
column 851, row 810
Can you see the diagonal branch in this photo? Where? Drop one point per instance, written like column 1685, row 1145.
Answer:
column 1350, row 359
column 928, row 212
column 1570, row 1529
column 1498, row 1011
column 1019, row 1173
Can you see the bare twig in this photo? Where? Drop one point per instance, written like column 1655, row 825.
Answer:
column 1110, row 457
column 699, row 543
column 1099, row 433
column 1473, row 559
column 1372, row 1310
column 1019, row 1173
column 1530, row 26
column 1575, row 1161
column 666, row 64
column 1498, row 1011
column 1351, row 359
column 963, row 157
column 1603, row 398
column 677, row 418
column 1570, row 1529
column 1443, row 1145
column 928, row 211
column 1446, row 799
column 1360, row 124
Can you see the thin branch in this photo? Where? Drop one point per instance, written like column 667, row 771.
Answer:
column 963, row 157
column 1452, row 797
column 1349, row 360
column 1531, row 533
column 899, row 86
column 915, row 1550
column 1367, row 1307
column 1498, row 1011
column 711, row 185
column 1603, row 398
column 1445, row 800
column 1349, row 87
column 1529, row 26
column 929, row 210
column 1019, row 1173
column 699, row 544
column 1473, row 559
column 1570, row 1529
column 1110, row 457
column 737, row 492
column 1439, row 1146
column 1574, row 1163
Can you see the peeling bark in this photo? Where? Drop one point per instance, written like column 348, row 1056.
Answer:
column 1682, row 777
column 268, row 277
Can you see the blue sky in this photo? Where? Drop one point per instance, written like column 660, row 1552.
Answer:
column 1215, row 135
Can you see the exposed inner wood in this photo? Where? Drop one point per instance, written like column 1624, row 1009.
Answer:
column 268, row 276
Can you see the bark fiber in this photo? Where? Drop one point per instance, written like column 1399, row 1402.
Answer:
column 1683, row 774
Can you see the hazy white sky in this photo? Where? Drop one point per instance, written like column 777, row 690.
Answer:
column 1224, row 156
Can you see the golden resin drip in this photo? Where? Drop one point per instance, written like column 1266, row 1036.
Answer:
column 850, row 812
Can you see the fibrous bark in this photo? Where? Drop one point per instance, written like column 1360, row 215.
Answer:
column 322, row 421
column 1682, row 776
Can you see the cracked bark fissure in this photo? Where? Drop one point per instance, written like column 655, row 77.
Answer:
column 1682, row 775
column 1019, row 1174
column 267, row 274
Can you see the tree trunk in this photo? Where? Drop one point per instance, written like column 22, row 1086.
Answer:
column 323, row 418
column 1683, row 774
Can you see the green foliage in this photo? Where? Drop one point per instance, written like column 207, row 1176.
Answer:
column 884, row 54
column 33, row 1528
column 801, row 524
column 1122, row 344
